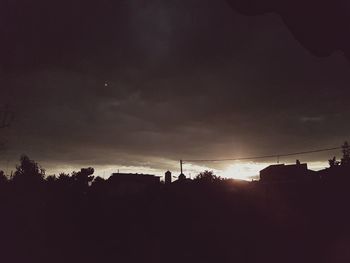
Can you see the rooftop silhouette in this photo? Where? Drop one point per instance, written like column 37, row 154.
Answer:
column 292, row 213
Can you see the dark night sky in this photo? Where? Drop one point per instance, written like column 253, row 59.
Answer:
column 144, row 83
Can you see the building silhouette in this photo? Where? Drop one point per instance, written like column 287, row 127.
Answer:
column 181, row 177
column 167, row 177
column 287, row 173
column 132, row 183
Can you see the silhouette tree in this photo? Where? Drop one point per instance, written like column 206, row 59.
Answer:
column 333, row 162
column 3, row 178
column 207, row 177
column 51, row 179
column 64, row 178
column 28, row 171
column 84, row 176
column 82, row 180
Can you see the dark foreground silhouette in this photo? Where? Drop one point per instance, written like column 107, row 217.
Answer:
column 80, row 218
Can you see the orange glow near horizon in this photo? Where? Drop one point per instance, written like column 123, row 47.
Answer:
column 238, row 170
column 243, row 171
column 250, row 170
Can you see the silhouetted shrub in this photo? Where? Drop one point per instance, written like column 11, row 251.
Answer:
column 207, row 177
column 3, row 178
column 28, row 172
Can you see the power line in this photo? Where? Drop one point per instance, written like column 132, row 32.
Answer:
column 263, row 156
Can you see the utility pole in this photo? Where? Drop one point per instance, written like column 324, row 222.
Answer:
column 181, row 162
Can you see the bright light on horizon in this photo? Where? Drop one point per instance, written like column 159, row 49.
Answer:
column 243, row 171
column 237, row 170
column 250, row 170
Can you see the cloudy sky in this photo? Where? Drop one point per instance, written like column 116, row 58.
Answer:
column 137, row 85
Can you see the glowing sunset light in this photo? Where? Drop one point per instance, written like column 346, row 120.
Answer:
column 249, row 171
column 243, row 171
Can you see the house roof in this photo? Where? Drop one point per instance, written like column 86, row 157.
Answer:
column 275, row 167
column 132, row 177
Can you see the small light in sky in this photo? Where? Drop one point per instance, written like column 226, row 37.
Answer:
column 106, row 84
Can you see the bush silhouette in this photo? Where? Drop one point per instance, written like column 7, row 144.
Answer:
column 207, row 177
column 28, row 172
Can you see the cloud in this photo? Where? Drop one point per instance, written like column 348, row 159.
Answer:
column 320, row 26
column 185, row 80
column 312, row 119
